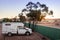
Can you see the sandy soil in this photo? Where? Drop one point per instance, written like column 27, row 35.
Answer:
column 52, row 25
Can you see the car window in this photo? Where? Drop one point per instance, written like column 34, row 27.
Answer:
column 20, row 27
column 7, row 24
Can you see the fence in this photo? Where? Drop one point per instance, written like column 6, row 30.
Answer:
column 52, row 33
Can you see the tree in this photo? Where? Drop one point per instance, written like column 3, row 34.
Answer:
column 39, row 14
column 30, row 5
column 51, row 12
column 36, row 13
column 6, row 20
column 21, row 17
column 43, row 10
column 14, row 19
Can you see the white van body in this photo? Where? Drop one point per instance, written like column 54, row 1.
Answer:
column 14, row 28
column 10, row 27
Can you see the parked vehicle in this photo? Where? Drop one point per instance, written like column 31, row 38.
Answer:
column 15, row 28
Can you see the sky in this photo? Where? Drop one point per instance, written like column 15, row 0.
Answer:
column 11, row 8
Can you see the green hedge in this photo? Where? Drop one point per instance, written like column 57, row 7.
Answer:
column 52, row 33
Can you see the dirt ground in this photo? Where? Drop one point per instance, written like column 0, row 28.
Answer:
column 52, row 25
column 34, row 36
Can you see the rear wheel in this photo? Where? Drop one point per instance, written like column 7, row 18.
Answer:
column 9, row 34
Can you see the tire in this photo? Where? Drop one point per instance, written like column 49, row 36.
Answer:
column 27, row 33
column 9, row 34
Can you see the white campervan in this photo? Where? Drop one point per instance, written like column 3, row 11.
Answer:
column 14, row 28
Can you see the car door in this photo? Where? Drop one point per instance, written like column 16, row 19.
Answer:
column 21, row 31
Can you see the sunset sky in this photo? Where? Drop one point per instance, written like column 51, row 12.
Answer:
column 11, row 8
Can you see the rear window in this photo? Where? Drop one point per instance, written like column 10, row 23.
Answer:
column 7, row 24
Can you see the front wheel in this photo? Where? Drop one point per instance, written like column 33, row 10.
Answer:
column 27, row 33
column 9, row 34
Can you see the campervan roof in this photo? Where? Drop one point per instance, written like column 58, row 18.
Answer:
column 14, row 23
